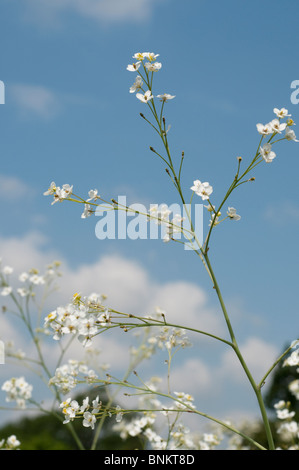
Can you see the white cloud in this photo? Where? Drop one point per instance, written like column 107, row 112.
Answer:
column 35, row 99
column 258, row 354
column 26, row 253
column 201, row 375
column 111, row 11
column 13, row 188
column 131, row 288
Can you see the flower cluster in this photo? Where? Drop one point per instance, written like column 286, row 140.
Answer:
column 204, row 190
column 18, row 390
column 275, row 127
column 288, row 429
column 88, row 411
column 69, row 375
column 149, row 64
column 83, row 317
column 71, row 409
column 66, row 191
column 171, row 338
column 11, row 443
column 28, row 279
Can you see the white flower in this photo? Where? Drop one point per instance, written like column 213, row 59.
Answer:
column 6, row 291
column 165, row 97
column 36, row 279
column 96, row 405
column 87, row 211
column 232, row 214
column 67, row 190
column 153, row 66
column 139, row 56
column 137, row 84
column 293, row 359
column 51, row 190
column 267, row 154
column 93, row 194
column 279, row 405
column 60, row 193
column 202, row 189
column 23, row 292
column 150, row 56
column 277, row 126
column 133, row 67
column 7, row 270
column 85, row 405
column 23, row 277
column 290, row 135
column 146, row 97
column 12, row 442
column 264, row 129
column 17, row 390
column 89, row 420
column 281, row 113
column 285, row 413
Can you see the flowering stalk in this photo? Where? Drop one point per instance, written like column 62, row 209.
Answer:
column 88, row 320
column 204, row 190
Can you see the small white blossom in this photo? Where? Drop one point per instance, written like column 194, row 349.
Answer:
column 7, row 270
column 165, row 97
column 290, row 135
column 89, row 420
column 133, row 67
column 151, row 56
column 146, row 97
column 23, row 277
column 23, row 292
column 51, row 190
column 204, row 190
column 87, row 211
column 285, row 414
column 139, row 56
column 137, row 84
column 277, row 126
column 264, row 129
column 6, row 291
column 93, row 194
column 281, row 113
column 267, row 154
column 153, row 66
column 232, row 214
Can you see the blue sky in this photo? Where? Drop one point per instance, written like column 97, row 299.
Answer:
column 69, row 118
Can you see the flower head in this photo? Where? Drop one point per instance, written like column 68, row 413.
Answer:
column 277, row 126
column 264, row 129
column 290, row 135
column 146, row 97
column 281, row 113
column 150, row 56
column 267, row 154
column 153, row 66
column 89, row 420
column 137, row 84
column 202, row 189
column 165, row 97
column 232, row 214
column 133, row 67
